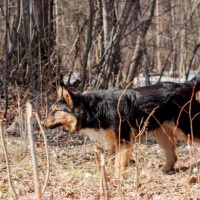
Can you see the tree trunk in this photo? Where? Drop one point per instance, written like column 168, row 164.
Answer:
column 183, row 44
column 158, row 38
column 173, row 67
column 137, row 54
column 88, row 43
column 105, row 22
column 112, row 57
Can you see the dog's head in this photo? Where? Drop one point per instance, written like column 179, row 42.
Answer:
column 64, row 112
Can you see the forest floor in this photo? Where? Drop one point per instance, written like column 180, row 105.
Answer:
column 74, row 171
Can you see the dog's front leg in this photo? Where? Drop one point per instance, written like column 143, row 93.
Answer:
column 111, row 140
column 122, row 158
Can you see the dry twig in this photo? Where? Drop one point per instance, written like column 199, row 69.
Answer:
column 32, row 150
column 103, row 183
column 47, row 152
column 7, row 163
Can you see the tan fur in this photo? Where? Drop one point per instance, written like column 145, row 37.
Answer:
column 68, row 120
column 123, row 154
column 165, row 137
column 122, row 157
column 111, row 140
column 119, row 153
column 63, row 93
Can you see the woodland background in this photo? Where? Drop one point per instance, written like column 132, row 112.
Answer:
column 103, row 43
column 91, row 44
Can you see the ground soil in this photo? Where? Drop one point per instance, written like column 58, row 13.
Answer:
column 75, row 174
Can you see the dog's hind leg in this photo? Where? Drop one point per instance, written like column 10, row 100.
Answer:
column 122, row 158
column 165, row 138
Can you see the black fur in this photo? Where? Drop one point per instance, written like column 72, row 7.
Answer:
column 98, row 109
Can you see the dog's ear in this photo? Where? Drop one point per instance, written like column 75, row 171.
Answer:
column 66, row 95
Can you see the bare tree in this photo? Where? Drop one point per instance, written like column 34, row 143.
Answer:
column 9, row 45
column 183, row 43
column 158, row 37
column 140, row 42
column 88, row 43
column 106, row 42
column 28, row 45
column 111, row 58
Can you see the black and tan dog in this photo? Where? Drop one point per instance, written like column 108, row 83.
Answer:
column 122, row 115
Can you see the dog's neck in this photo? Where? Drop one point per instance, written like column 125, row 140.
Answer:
column 90, row 116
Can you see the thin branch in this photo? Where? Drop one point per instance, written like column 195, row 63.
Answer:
column 32, row 150
column 7, row 162
column 120, row 119
column 88, row 42
column 47, row 152
column 103, row 183
column 191, row 60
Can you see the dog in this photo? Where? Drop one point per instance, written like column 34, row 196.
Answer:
column 122, row 116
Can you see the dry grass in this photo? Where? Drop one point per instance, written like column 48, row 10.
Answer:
column 74, row 173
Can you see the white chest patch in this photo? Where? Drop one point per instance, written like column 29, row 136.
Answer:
column 95, row 135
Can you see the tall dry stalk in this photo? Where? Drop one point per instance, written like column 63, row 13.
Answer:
column 32, row 151
column 104, row 195
column 7, row 162
column 192, row 133
column 47, row 153
column 120, row 123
